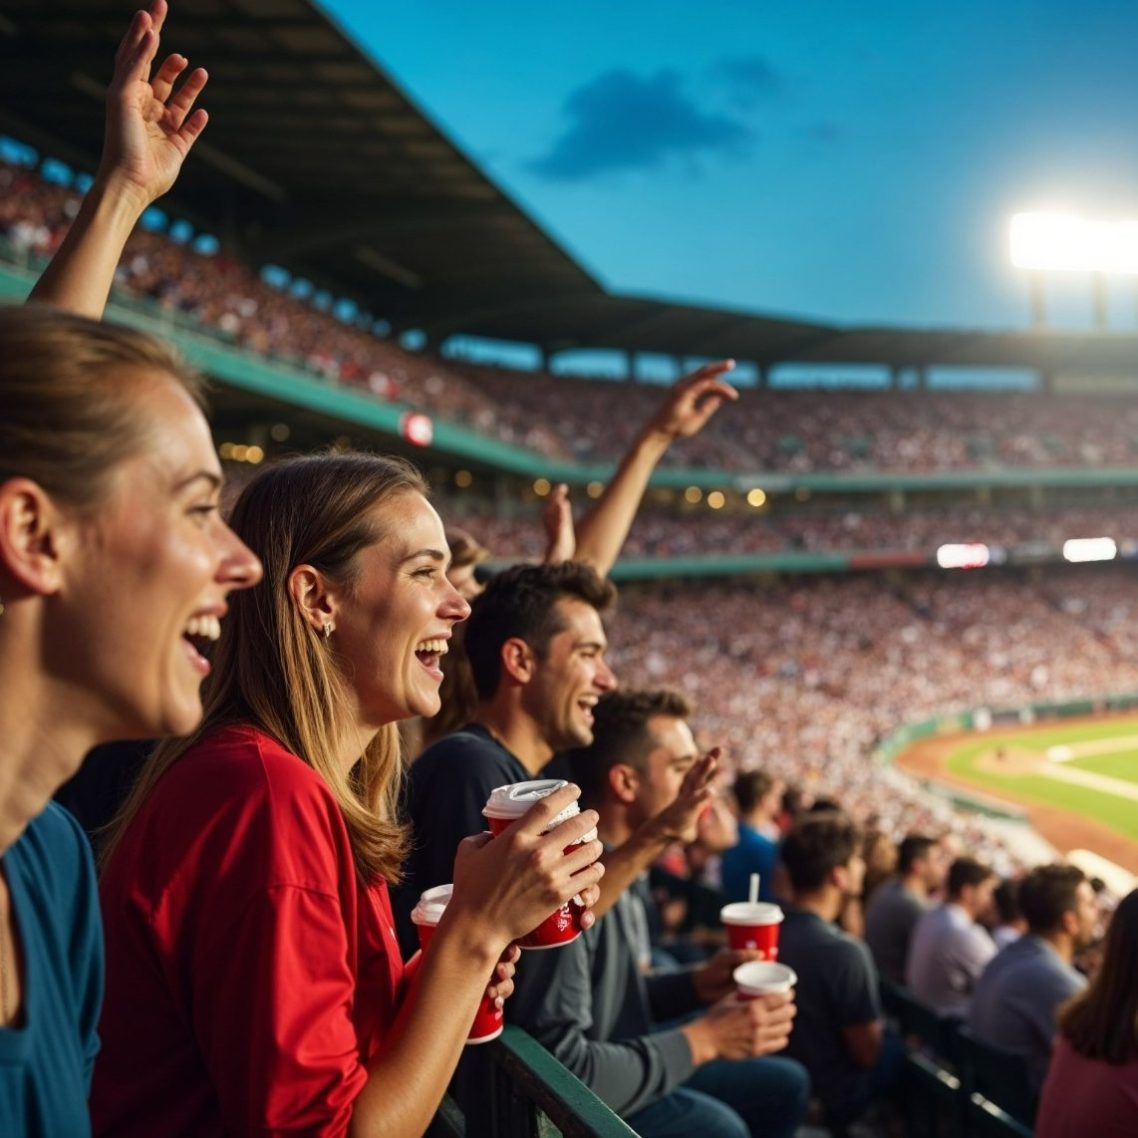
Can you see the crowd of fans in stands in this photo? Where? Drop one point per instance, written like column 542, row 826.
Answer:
column 790, row 431
column 244, row 920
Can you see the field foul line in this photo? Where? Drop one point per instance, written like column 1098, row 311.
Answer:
column 1116, row 786
column 1116, row 744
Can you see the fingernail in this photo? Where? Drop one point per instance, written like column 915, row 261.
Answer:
column 500, row 1003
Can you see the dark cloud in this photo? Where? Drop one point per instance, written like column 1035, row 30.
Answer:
column 620, row 121
column 748, row 79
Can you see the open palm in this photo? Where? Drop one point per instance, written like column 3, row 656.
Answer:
column 150, row 127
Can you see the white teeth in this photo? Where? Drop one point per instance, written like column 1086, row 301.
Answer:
column 439, row 646
column 204, row 627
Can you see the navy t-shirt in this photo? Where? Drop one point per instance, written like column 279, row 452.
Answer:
column 447, row 786
column 46, row 1061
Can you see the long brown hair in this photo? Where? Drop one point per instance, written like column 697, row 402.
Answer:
column 68, row 389
column 1101, row 1022
column 273, row 670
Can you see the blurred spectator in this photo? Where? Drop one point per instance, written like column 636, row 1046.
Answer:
column 950, row 948
column 1092, row 1083
column 1010, row 922
column 839, row 1034
column 881, row 857
column 758, row 796
column 899, row 903
column 1016, row 998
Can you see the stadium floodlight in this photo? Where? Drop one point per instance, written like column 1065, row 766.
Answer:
column 970, row 556
column 1090, row 549
column 1063, row 242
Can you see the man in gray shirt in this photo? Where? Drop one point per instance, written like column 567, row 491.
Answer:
column 1015, row 1001
column 593, row 1005
column 949, row 948
column 899, row 903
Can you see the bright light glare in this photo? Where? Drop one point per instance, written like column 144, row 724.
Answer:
column 963, row 556
column 1090, row 549
column 1062, row 242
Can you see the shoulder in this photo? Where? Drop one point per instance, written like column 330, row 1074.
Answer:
column 53, row 848
column 466, row 756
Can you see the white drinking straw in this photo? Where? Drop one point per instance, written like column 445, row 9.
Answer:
column 754, row 888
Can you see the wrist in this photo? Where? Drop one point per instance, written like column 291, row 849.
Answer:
column 116, row 200
column 654, row 441
column 476, row 938
column 701, row 1042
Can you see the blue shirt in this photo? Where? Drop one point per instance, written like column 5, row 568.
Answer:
column 755, row 853
column 46, row 1062
column 1015, row 1000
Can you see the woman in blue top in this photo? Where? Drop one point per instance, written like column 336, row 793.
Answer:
column 114, row 570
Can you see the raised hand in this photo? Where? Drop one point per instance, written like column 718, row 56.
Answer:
column 560, row 538
column 679, row 820
column 150, row 127
column 693, row 400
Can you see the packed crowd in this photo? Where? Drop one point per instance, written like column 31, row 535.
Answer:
column 234, row 966
column 590, row 421
column 657, row 533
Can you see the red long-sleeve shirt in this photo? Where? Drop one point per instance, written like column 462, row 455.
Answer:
column 250, row 977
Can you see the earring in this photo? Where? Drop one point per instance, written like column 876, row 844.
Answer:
column 328, row 630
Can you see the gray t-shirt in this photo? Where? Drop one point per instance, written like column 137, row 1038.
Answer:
column 1014, row 1004
column 890, row 918
column 837, row 987
column 946, row 956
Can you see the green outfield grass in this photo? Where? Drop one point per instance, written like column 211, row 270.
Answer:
column 1120, row 814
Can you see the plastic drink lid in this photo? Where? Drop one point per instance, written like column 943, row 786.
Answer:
column 746, row 913
column 510, row 802
column 431, row 904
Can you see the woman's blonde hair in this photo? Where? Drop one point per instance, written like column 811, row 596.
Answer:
column 69, row 412
column 273, row 670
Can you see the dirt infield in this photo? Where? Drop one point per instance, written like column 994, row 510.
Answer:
column 1063, row 829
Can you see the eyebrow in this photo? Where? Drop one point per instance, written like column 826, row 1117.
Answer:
column 201, row 475
column 597, row 644
column 433, row 554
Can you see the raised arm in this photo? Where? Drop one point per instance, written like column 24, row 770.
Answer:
column 149, row 131
column 685, row 412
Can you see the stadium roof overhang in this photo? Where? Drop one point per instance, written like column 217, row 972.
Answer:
column 315, row 159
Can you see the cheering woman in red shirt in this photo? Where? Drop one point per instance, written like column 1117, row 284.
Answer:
column 254, row 983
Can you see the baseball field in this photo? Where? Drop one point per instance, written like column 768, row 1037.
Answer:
column 1077, row 780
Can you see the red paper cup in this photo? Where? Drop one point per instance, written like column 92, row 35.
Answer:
column 488, row 1021
column 759, row 978
column 753, row 926
column 505, row 806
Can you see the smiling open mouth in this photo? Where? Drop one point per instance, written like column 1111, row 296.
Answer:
column 200, row 635
column 430, row 653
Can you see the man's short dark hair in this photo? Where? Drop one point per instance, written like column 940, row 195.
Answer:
column 621, row 735
column 912, row 849
column 816, row 845
column 966, row 871
column 750, row 788
column 1006, row 898
column 522, row 602
column 1048, row 892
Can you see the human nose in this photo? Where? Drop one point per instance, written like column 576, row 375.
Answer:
column 240, row 567
column 455, row 606
column 605, row 679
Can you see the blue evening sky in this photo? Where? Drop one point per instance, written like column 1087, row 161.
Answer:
column 854, row 162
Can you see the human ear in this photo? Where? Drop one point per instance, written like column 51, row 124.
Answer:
column 315, row 600
column 517, row 660
column 623, row 781
column 33, row 537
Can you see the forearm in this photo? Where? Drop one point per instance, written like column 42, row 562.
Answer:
column 407, row 1079
column 82, row 271
column 625, row 863
column 603, row 530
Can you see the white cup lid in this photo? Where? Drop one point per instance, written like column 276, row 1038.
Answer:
column 431, row 904
column 510, row 802
column 764, row 977
column 746, row 913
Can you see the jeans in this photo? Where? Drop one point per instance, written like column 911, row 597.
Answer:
column 731, row 1098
